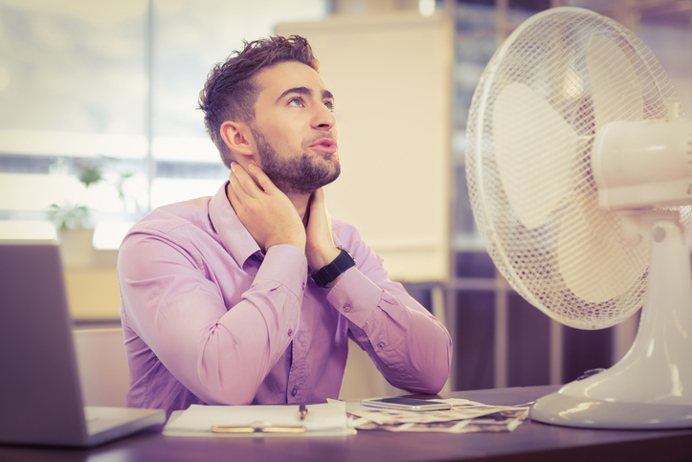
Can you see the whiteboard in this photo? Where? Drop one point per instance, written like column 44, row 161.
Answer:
column 391, row 77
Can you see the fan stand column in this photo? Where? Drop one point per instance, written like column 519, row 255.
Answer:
column 651, row 387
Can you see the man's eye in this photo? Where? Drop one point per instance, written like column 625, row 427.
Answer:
column 296, row 102
column 330, row 105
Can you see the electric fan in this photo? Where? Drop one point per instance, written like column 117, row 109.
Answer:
column 579, row 170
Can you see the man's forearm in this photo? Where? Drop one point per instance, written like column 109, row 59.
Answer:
column 221, row 354
column 412, row 348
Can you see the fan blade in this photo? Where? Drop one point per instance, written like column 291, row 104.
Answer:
column 595, row 260
column 594, row 257
column 615, row 86
column 535, row 148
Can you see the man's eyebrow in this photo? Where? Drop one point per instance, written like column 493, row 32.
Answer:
column 326, row 94
column 299, row 90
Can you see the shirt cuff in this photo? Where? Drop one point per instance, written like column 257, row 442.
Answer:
column 355, row 296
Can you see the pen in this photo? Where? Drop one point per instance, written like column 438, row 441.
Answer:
column 302, row 411
column 258, row 429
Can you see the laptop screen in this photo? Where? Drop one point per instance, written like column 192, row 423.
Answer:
column 40, row 394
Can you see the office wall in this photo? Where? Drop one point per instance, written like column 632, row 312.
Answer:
column 391, row 75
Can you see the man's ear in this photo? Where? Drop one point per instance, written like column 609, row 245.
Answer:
column 237, row 137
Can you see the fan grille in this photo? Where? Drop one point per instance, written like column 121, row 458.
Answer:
column 563, row 74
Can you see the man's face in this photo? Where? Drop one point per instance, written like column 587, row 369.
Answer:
column 294, row 128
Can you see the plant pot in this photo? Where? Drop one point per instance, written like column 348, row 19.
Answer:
column 76, row 249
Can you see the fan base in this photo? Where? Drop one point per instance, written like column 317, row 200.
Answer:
column 560, row 409
column 651, row 386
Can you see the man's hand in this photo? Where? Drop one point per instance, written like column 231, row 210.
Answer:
column 320, row 249
column 266, row 212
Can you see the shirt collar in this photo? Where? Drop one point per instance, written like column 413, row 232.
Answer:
column 233, row 234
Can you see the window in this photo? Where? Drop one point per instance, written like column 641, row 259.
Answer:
column 108, row 91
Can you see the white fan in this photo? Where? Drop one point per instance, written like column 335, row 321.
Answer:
column 579, row 169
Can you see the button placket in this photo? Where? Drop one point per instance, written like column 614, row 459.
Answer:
column 296, row 375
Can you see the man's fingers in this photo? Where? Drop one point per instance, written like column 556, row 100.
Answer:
column 267, row 213
column 318, row 206
column 244, row 182
column 235, row 187
column 318, row 199
column 264, row 182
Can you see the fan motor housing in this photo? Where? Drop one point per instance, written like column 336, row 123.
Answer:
column 643, row 164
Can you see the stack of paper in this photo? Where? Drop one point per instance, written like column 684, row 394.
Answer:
column 464, row 417
column 260, row 421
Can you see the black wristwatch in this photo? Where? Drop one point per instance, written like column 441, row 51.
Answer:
column 328, row 273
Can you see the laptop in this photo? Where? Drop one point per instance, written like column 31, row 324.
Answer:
column 40, row 396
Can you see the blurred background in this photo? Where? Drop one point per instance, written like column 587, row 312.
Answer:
column 98, row 125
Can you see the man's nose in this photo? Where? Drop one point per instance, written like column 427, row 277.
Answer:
column 324, row 118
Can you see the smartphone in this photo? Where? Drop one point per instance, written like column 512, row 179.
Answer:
column 407, row 404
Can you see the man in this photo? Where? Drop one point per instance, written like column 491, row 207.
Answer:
column 218, row 306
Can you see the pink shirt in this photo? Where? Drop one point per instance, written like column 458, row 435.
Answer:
column 209, row 319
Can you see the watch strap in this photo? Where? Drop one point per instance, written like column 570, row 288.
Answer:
column 328, row 273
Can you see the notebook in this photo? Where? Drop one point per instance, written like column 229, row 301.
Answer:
column 325, row 419
column 40, row 396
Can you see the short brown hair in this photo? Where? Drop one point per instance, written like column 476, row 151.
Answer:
column 230, row 91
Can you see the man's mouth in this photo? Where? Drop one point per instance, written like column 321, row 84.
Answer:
column 327, row 145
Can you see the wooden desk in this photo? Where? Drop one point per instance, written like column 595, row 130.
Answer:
column 531, row 441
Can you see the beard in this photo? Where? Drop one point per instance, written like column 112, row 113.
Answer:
column 302, row 176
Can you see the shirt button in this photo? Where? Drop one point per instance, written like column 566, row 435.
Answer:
column 303, row 286
column 380, row 345
column 294, row 392
column 290, row 332
column 347, row 308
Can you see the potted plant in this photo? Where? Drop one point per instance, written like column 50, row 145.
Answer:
column 74, row 225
